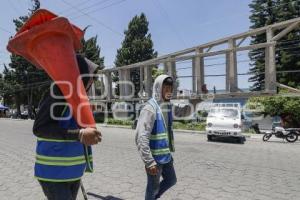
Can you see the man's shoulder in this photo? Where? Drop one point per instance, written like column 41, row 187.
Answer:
column 149, row 107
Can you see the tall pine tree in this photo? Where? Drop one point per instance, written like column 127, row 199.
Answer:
column 288, row 57
column 91, row 50
column 263, row 13
column 266, row 12
column 136, row 47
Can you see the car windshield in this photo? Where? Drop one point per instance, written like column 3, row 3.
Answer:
column 223, row 112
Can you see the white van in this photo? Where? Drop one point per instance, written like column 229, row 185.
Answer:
column 224, row 120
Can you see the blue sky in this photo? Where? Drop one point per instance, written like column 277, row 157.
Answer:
column 173, row 24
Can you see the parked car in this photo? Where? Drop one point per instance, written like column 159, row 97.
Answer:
column 224, row 121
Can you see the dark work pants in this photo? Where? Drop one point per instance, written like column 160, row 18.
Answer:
column 60, row 191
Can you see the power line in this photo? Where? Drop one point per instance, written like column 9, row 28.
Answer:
column 215, row 64
column 241, row 61
column 68, row 10
column 225, row 17
column 96, row 10
column 88, row 7
column 164, row 12
column 93, row 18
column 287, row 47
column 5, row 30
column 241, row 74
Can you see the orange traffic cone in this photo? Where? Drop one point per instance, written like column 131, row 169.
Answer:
column 49, row 42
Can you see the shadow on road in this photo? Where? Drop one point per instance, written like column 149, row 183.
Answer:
column 283, row 141
column 226, row 140
column 104, row 198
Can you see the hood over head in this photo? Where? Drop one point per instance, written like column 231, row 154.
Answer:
column 157, row 87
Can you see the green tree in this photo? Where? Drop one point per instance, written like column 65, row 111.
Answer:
column 263, row 12
column 288, row 57
column 91, row 50
column 266, row 12
column 136, row 47
column 24, row 82
column 288, row 108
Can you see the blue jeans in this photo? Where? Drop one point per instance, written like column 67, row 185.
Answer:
column 155, row 187
column 60, row 191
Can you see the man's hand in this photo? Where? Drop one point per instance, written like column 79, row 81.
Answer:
column 90, row 136
column 153, row 170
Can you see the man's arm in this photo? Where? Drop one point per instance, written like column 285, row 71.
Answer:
column 143, row 130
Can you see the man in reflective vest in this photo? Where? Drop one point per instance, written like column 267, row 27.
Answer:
column 154, row 139
column 63, row 150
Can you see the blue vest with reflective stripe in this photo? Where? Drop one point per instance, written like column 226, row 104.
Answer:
column 62, row 160
column 159, row 139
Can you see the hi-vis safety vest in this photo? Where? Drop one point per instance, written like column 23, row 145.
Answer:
column 62, row 160
column 160, row 141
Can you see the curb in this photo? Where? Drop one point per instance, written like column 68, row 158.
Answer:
column 113, row 126
column 16, row 119
column 178, row 131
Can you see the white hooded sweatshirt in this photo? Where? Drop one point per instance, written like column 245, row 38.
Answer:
column 146, row 121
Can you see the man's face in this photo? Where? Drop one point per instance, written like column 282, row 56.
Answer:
column 167, row 91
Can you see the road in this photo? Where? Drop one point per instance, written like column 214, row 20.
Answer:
column 205, row 170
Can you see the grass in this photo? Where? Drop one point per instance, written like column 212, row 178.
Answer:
column 119, row 122
column 195, row 126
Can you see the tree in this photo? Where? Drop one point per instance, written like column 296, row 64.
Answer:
column 262, row 14
column 25, row 83
column 266, row 12
column 91, row 50
column 136, row 47
column 288, row 108
column 288, row 57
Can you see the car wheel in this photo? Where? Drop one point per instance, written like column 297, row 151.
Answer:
column 241, row 140
column 209, row 138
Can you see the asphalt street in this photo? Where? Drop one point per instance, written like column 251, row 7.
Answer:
column 205, row 170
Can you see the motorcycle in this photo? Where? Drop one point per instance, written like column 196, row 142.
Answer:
column 289, row 134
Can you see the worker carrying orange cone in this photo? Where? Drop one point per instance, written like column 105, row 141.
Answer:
column 63, row 150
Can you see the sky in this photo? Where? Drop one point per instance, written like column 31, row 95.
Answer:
column 174, row 25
